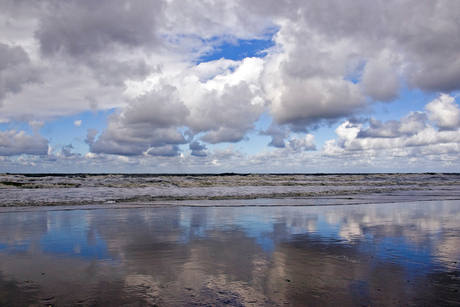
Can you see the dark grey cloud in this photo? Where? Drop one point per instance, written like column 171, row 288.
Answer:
column 278, row 135
column 83, row 28
column 12, row 56
column 165, row 151
column 102, row 35
column 231, row 135
column 67, row 151
column 16, row 70
column 111, row 143
column 15, row 142
column 198, row 150
column 91, row 136
column 117, row 72
column 428, row 32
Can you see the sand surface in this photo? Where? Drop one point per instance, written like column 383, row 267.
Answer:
column 397, row 254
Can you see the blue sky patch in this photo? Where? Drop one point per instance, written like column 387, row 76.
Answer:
column 239, row 50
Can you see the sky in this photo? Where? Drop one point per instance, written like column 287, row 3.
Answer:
column 212, row 86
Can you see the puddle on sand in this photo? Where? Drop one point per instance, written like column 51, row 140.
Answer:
column 386, row 254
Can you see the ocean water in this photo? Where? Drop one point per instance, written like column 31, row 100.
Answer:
column 225, row 189
column 230, row 240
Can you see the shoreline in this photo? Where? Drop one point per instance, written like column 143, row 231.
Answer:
column 238, row 203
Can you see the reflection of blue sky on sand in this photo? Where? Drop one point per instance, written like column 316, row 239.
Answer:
column 259, row 228
column 417, row 261
column 68, row 244
column 69, row 235
column 327, row 229
column 17, row 247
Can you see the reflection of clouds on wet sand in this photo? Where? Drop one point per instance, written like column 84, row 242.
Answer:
column 436, row 224
column 68, row 280
column 238, row 275
column 447, row 250
column 248, row 256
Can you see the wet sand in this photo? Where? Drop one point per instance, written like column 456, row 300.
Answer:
column 251, row 254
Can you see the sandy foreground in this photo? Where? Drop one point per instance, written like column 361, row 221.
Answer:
column 398, row 254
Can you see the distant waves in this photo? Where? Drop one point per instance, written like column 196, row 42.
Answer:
column 224, row 189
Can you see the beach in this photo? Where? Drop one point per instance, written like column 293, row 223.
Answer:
column 210, row 240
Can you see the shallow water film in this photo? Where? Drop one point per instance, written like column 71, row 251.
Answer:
column 401, row 254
